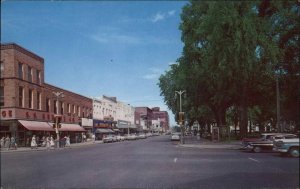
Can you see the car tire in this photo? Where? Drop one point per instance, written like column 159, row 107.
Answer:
column 294, row 152
column 257, row 149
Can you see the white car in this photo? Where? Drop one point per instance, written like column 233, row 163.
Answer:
column 131, row 137
column 108, row 138
column 142, row 136
column 120, row 138
column 175, row 136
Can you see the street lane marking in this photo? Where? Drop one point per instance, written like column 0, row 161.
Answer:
column 254, row 160
column 175, row 159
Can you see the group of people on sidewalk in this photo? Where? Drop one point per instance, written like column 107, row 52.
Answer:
column 49, row 142
column 8, row 143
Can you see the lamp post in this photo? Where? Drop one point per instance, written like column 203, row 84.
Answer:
column 57, row 95
column 180, row 114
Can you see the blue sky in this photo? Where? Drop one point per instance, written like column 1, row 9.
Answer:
column 96, row 48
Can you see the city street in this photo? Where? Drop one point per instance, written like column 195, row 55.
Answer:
column 154, row 162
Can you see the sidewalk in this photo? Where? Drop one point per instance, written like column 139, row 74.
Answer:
column 73, row 145
column 194, row 142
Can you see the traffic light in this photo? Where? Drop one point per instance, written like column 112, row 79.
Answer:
column 181, row 117
column 54, row 127
column 59, row 125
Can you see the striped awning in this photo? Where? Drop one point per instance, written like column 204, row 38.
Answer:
column 36, row 125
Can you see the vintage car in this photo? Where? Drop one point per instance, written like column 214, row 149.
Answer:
column 267, row 142
column 287, row 146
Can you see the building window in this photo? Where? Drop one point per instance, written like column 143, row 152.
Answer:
column 20, row 69
column 55, row 106
column 2, row 96
column 1, row 69
column 78, row 108
column 30, row 98
column 29, row 74
column 38, row 100
column 69, row 108
column 38, row 77
column 47, row 104
column 74, row 109
column 62, row 108
column 21, row 97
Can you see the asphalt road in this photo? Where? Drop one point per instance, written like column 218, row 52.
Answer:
column 149, row 163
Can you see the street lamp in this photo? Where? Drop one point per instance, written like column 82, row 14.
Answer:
column 57, row 95
column 180, row 114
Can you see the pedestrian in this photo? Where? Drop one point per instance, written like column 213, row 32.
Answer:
column 13, row 143
column 84, row 138
column 43, row 141
column 68, row 141
column 2, row 142
column 76, row 138
column 51, row 141
column 7, row 142
column 48, row 143
column 93, row 137
column 33, row 142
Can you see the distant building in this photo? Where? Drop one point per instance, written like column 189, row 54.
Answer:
column 162, row 117
column 151, row 119
column 28, row 104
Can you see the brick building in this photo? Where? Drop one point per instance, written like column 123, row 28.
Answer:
column 28, row 104
column 162, row 117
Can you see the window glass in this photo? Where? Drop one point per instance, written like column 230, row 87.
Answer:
column 30, row 98
column 20, row 69
column 21, row 96
column 47, row 104
column 2, row 96
column 38, row 100
column 38, row 77
column 29, row 74
column 1, row 68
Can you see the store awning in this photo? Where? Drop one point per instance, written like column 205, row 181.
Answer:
column 116, row 130
column 104, row 131
column 133, row 126
column 71, row 127
column 36, row 125
column 122, row 126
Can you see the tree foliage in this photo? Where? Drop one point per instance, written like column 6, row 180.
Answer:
column 232, row 53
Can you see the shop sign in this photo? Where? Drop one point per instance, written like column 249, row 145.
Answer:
column 6, row 113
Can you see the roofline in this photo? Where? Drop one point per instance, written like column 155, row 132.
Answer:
column 21, row 49
column 68, row 91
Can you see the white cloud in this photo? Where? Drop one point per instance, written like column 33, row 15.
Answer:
column 158, row 17
column 171, row 13
column 116, row 38
column 162, row 16
column 154, row 74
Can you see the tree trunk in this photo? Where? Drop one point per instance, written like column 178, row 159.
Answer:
column 243, row 115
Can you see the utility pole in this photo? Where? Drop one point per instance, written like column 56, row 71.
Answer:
column 181, row 114
column 57, row 95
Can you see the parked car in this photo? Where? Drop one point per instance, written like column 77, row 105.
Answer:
column 141, row 136
column 287, row 146
column 132, row 137
column 108, row 138
column 267, row 144
column 149, row 135
column 262, row 137
column 175, row 136
column 120, row 138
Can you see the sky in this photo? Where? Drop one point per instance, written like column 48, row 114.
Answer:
column 95, row 48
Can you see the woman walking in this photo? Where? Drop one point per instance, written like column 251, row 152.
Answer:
column 48, row 143
column 33, row 142
column 2, row 142
column 51, row 141
column 68, row 141
column 7, row 142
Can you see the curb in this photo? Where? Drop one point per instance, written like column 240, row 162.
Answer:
column 215, row 147
column 28, row 149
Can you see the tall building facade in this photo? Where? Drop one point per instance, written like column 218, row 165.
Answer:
column 28, row 104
